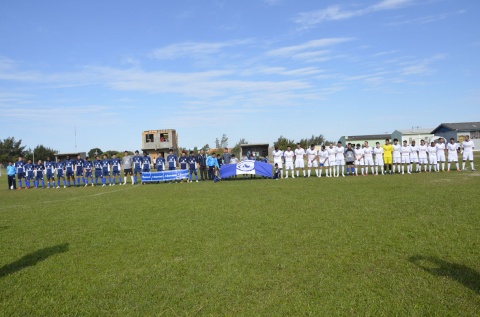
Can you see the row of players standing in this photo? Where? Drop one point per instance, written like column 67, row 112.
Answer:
column 84, row 172
column 391, row 158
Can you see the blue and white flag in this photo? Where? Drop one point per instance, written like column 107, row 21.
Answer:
column 249, row 167
column 164, row 176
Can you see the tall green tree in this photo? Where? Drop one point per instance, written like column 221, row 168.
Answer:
column 11, row 149
column 91, row 153
column 236, row 149
column 283, row 142
column 41, row 152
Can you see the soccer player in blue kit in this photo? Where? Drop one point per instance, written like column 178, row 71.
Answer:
column 69, row 170
column 39, row 168
column 88, row 167
column 116, row 166
column 50, row 172
column 160, row 163
column 98, row 169
column 105, row 170
column 29, row 176
column 172, row 161
column 192, row 164
column 146, row 163
column 137, row 166
column 60, row 167
column 79, row 170
column 19, row 166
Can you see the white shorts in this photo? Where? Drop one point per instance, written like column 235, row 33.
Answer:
column 314, row 163
column 379, row 161
column 405, row 159
column 397, row 160
column 340, row 162
column 280, row 164
column 329, row 163
column 453, row 157
column 441, row 157
column 359, row 162
column 288, row 166
column 433, row 159
column 423, row 160
column 413, row 159
column 299, row 163
column 468, row 156
column 369, row 161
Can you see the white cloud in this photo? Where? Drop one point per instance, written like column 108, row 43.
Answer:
column 290, row 51
column 421, row 67
column 194, row 49
column 335, row 12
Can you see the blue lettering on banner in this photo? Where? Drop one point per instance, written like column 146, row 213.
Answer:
column 164, row 176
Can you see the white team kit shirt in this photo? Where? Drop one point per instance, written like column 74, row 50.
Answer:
column 378, row 151
column 299, row 153
column 414, row 152
column 468, row 146
column 311, row 154
column 452, row 148
column 432, row 151
column 323, row 155
column 331, row 153
column 406, row 150
column 396, row 150
column 277, row 156
column 440, row 148
column 289, row 156
column 368, row 152
column 358, row 154
column 339, row 151
column 422, row 151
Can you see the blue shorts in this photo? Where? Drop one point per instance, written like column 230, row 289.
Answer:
column 69, row 173
column 21, row 175
column 172, row 168
column 50, row 175
column 39, row 176
column 137, row 170
column 159, row 168
column 79, row 172
column 98, row 173
column 29, row 175
column 105, row 173
column 60, row 174
column 146, row 170
column 88, row 174
column 115, row 173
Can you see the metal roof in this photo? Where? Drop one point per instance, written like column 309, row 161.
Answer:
column 416, row 131
column 460, row 126
column 368, row 137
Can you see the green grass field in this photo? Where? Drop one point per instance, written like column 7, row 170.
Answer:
column 403, row 245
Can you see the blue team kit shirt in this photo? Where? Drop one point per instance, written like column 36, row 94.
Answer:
column 19, row 165
column 49, row 167
column 172, row 161
column 60, row 167
column 98, row 165
column 79, row 165
column 115, row 164
column 192, row 161
column 39, row 168
column 69, row 165
column 137, row 162
column 146, row 163
column 88, row 166
column 29, row 170
column 160, row 162
column 183, row 160
column 106, row 165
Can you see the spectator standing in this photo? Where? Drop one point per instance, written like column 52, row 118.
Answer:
column 211, row 164
column 12, row 184
column 226, row 157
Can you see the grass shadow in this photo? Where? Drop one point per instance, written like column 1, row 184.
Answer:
column 4, row 228
column 458, row 272
column 32, row 259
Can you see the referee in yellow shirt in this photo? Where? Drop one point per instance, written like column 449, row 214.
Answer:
column 387, row 156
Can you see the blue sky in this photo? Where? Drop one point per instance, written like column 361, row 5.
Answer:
column 253, row 69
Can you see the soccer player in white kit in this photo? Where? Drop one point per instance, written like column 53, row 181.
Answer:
column 340, row 159
column 378, row 151
column 452, row 149
column 406, row 150
column 312, row 160
column 368, row 157
column 440, row 155
column 397, row 156
column 468, row 147
column 289, row 154
column 359, row 162
column 414, row 158
column 432, row 157
column 331, row 159
column 299, row 159
column 422, row 155
column 323, row 160
column 277, row 159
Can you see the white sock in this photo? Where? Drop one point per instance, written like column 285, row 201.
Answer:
column 463, row 165
column 458, row 166
column 293, row 174
column 448, row 166
column 281, row 173
column 125, row 179
column 320, row 172
column 308, row 172
column 471, row 164
column 304, row 172
column 131, row 178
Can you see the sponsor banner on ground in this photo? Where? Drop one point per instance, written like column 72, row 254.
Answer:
column 164, row 176
column 248, row 167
